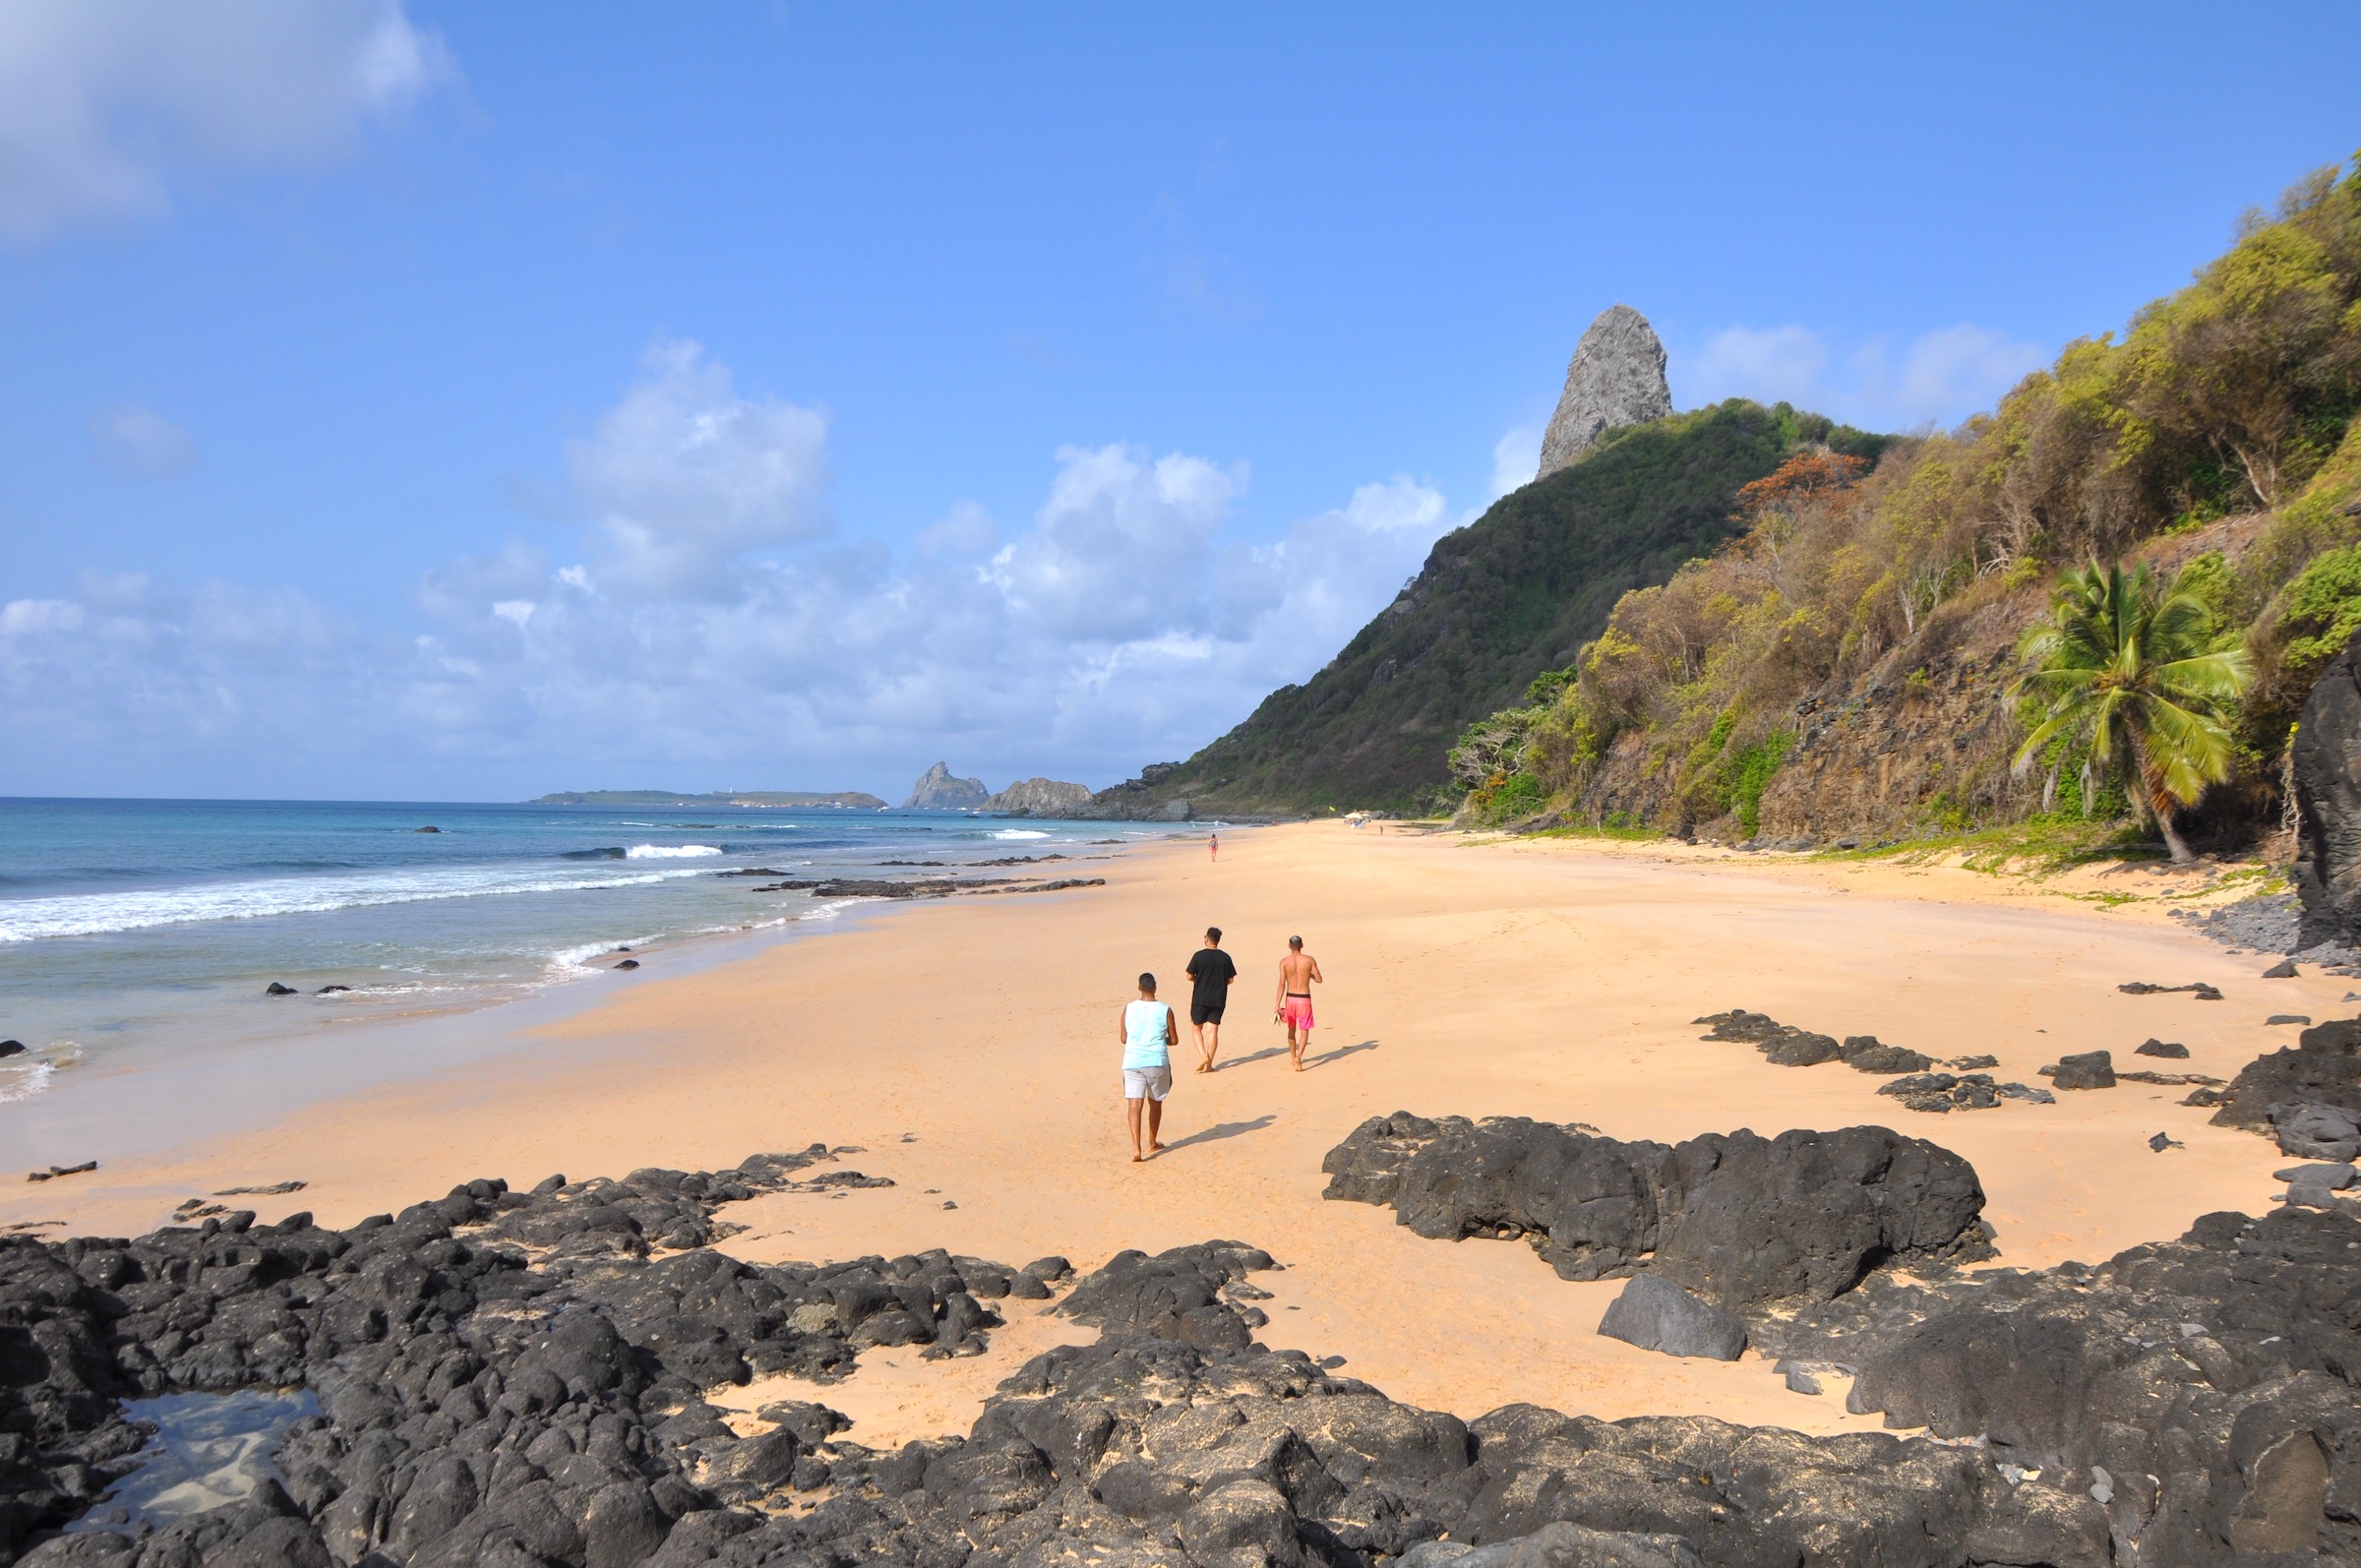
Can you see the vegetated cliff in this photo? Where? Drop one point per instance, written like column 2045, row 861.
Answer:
column 1519, row 590
column 1840, row 668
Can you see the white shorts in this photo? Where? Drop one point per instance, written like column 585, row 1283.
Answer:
column 1148, row 1083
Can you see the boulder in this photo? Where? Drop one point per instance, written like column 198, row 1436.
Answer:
column 1736, row 1217
column 2316, row 1131
column 2171, row 1048
column 1615, row 378
column 1656, row 1314
column 2326, row 759
column 2324, row 1069
column 11, row 1048
column 2088, row 1069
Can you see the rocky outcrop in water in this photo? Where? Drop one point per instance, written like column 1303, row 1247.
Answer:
column 1039, row 796
column 2326, row 759
column 1616, row 378
column 936, row 790
column 1737, row 1219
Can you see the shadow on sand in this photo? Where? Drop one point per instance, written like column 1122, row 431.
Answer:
column 1338, row 1055
column 1264, row 1055
column 1222, row 1129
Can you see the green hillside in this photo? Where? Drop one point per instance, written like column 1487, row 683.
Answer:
column 1514, row 593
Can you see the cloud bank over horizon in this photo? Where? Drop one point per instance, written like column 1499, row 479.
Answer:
column 717, row 628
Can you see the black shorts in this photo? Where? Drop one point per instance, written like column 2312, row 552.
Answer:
column 1201, row 1012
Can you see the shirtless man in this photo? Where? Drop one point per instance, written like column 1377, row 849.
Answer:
column 1299, row 972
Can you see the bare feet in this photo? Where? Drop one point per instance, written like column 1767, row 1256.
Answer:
column 1155, row 1148
column 1139, row 1158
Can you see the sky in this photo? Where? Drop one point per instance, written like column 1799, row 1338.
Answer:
column 450, row 402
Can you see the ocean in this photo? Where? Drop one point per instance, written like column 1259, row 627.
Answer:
column 140, row 933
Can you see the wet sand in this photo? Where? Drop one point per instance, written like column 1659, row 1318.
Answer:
column 969, row 1050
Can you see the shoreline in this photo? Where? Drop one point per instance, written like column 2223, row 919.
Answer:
column 1557, row 983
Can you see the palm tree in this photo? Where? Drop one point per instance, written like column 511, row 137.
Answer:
column 2128, row 666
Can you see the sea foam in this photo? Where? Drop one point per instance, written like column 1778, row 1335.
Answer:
column 95, row 914
column 668, row 852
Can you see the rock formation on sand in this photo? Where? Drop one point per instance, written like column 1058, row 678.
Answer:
column 1615, row 378
column 506, row 1380
column 2325, row 755
column 1041, row 797
column 938, row 791
column 1736, row 1218
column 2191, row 1402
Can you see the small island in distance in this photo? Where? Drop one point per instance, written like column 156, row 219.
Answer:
column 848, row 800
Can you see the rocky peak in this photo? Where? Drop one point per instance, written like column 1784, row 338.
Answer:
column 936, row 790
column 1616, row 378
column 1041, row 797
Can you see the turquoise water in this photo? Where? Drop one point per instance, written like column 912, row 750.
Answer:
column 140, row 930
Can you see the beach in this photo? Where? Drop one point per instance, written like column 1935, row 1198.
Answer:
column 967, row 1051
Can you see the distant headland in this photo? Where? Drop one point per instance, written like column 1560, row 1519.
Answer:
column 848, row 800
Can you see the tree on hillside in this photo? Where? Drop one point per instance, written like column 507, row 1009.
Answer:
column 2128, row 668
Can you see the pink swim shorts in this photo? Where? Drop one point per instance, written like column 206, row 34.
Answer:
column 1296, row 1012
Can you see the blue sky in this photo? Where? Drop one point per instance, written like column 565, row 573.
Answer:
column 465, row 401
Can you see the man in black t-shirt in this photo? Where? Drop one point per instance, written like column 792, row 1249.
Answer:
column 1212, row 971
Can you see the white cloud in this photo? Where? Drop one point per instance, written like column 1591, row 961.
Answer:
column 1939, row 376
column 684, row 474
column 1516, row 458
column 713, row 625
column 139, row 441
column 105, row 104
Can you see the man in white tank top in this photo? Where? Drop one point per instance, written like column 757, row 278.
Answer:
column 1147, row 1032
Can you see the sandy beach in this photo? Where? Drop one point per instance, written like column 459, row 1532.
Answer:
column 967, row 1051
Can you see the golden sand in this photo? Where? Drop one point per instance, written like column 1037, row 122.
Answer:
column 969, row 1049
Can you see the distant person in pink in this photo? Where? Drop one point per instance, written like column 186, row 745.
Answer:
column 1213, row 846
column 1299, row 972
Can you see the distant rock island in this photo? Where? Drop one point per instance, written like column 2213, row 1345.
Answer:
column 1041, row 797
column 1616, row 378
column 936, row 790
column 848, row 800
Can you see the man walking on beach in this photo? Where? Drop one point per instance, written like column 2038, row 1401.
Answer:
column 1212, row 971
column 1299, row 972
column 1148, row 1031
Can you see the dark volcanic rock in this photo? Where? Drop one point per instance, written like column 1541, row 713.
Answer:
column 2088, row 1069
column 501, row 1376
column 11, row 1048
column 2145, row 988
column 2185, row 1405
column 1868, row 1054
column 2324, row 1069
column 2171, row 1048
column 1787, row 1045
column 1738, row 1219
column 2160, row 1385
column 2284, row 969
column 1656, row 1314
column 2325, row 757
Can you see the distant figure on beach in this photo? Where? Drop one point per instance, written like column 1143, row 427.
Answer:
column 1148, row 1033
column 1299, row 972
column 1212, row 971
column 1213, row 846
